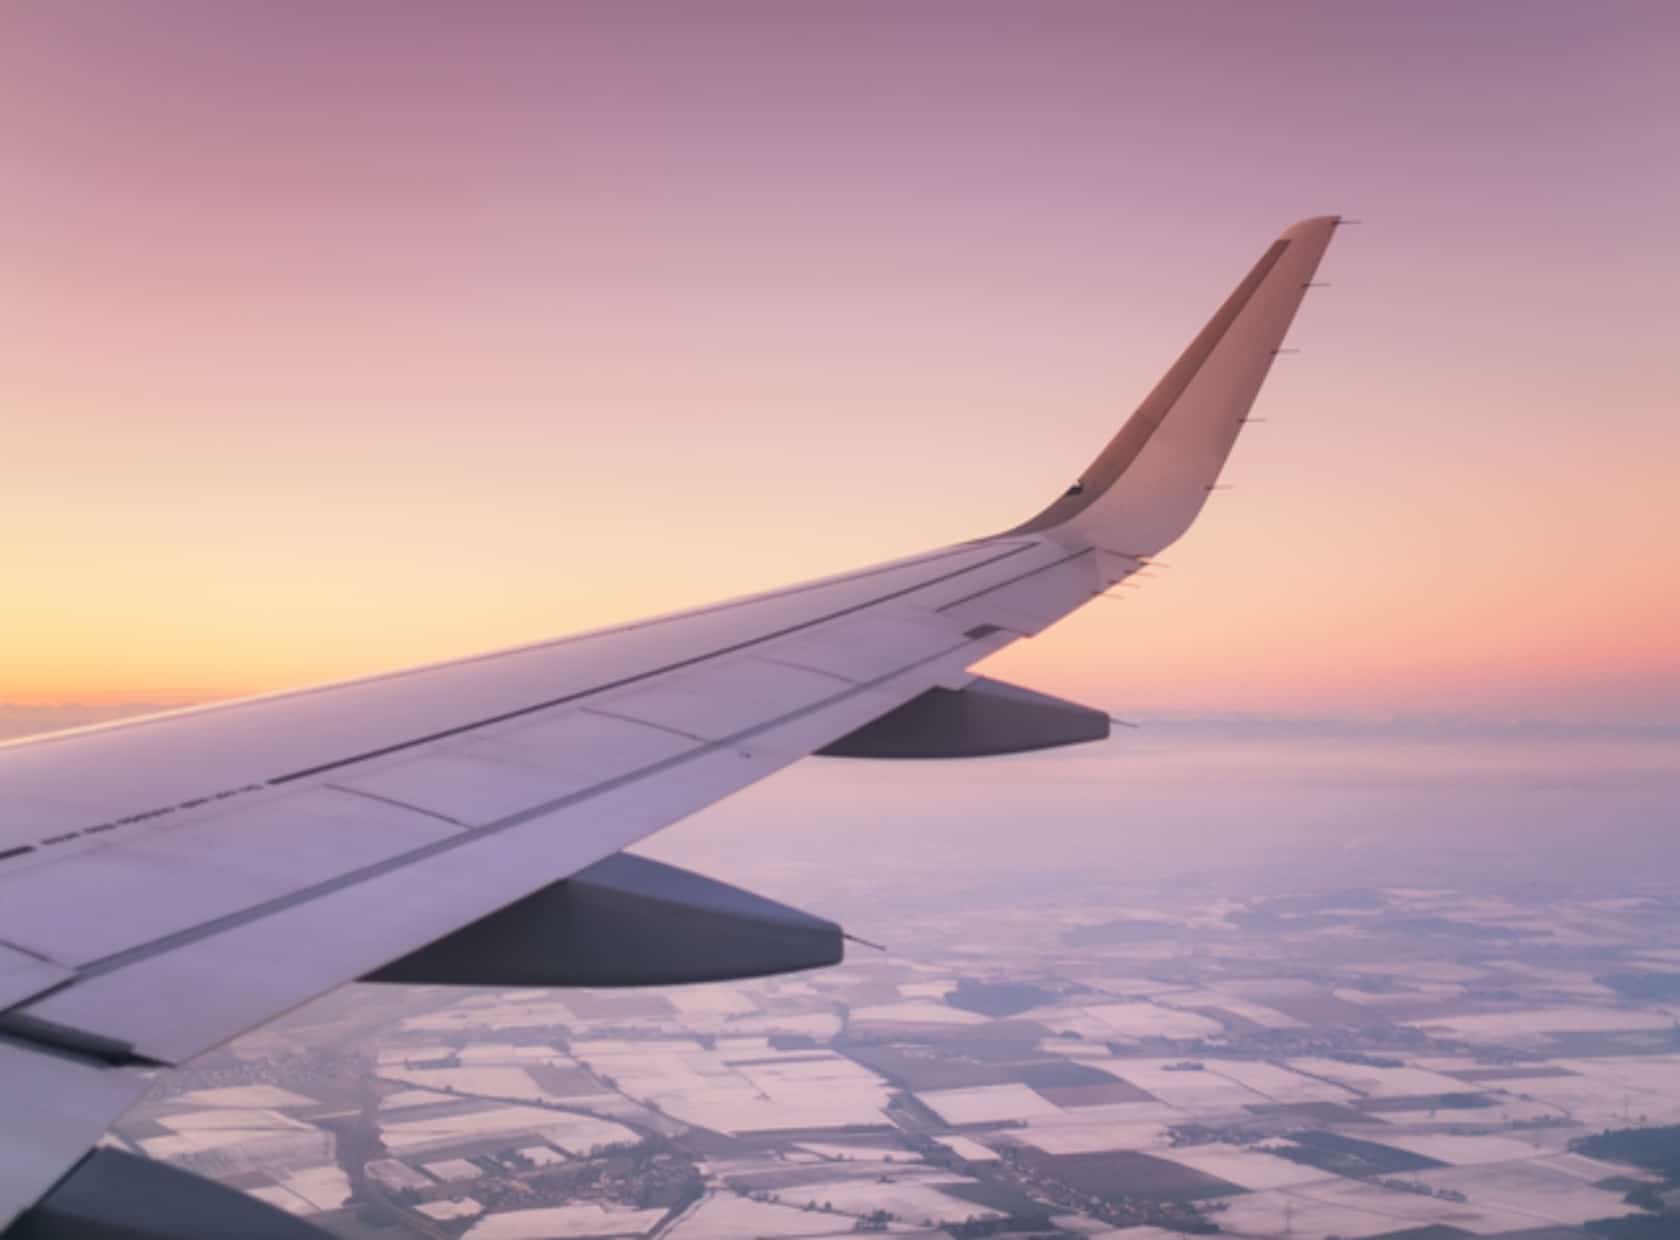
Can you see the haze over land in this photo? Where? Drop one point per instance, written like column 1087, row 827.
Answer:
column 1305, row 985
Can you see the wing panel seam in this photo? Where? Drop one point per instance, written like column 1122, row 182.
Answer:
column 397, row 804
column 1003, row 585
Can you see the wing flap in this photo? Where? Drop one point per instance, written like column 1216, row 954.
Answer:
column 173, row 1000
column 482, row 782
column 725, row 697
column 83, row 908
column 870, row 645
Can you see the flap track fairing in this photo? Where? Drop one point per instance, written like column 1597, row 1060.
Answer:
column 985, row 718
column 625, row 921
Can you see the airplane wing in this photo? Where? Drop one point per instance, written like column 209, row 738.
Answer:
column 170, row 882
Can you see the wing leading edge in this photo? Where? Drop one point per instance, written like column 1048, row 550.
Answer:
column 168, row 883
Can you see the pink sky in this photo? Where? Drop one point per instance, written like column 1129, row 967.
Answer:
column 336, row 337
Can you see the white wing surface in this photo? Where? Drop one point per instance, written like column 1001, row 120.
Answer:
column 169, row 882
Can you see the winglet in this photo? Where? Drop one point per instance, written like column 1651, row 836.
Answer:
column 1147, row 485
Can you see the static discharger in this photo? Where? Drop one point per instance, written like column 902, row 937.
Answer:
column 1136, row 559
column 852, row 938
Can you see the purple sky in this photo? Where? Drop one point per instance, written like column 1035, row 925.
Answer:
column 342, row 336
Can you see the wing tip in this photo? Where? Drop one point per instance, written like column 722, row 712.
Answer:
column 1312, row 226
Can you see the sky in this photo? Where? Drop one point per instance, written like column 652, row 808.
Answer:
column 339, row 337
